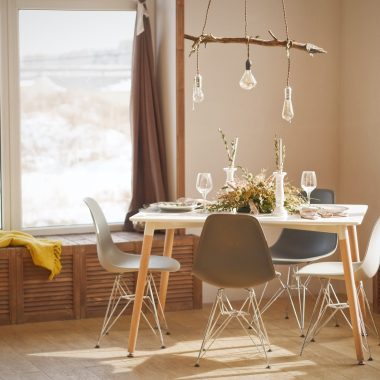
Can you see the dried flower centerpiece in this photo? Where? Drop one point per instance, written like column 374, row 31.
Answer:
column 255, row 194
column 231, row 148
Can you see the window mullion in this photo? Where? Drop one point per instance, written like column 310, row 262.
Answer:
column 14, row 119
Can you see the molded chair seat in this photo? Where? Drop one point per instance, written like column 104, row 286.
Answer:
column 331, row 269
column 298, row 247
column 119, row 262
column 114, row 260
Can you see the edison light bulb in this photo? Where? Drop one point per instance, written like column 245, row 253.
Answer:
column 287, row 110
column 198, row 94
column 247, row 81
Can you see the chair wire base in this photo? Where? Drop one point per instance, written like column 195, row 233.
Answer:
column 328, row 300
column 293, row 283
column 120, row 293
column 222, row 313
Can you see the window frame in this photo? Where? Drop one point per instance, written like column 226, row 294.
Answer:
column 10, row 104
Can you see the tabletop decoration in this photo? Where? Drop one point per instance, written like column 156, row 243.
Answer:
column 231, row 149
column 255, row 194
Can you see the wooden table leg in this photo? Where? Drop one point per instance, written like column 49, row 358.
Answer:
column 356, row 257
column 140, row 287
column 168, row 249
column 351, row 292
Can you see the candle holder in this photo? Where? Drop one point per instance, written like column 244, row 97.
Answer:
column 230, row 175
column 280, row 210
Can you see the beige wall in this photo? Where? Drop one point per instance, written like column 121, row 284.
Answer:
column 255, row 116
column 359, row 135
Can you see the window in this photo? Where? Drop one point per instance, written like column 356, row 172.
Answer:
column 70, row 85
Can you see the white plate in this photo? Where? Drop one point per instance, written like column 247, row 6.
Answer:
column 176, row 207
column 333, row 209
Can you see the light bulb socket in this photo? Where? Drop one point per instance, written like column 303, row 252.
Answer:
column 198, row 80
column 288, row 93
column 248, row 64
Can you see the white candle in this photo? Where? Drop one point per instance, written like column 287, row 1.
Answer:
column 280, row 154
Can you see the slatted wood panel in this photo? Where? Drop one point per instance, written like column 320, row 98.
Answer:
column 180, row 295
column 98, row 284
column 44, row 299
column 5, row 312
column 82, row 289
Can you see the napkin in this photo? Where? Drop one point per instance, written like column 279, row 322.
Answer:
column 190, row 201
column 316, row 212
column 309, row 213
column 329, row 213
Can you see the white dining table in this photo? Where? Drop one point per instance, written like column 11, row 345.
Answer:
column 344, row 226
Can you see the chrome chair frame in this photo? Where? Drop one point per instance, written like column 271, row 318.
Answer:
column 248, row 315
column 120, row 292
column 328, row 299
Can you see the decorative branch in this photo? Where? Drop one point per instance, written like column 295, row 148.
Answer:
column 209, row 38
column 231, row 152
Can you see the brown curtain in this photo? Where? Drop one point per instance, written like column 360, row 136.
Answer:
column 149, row 173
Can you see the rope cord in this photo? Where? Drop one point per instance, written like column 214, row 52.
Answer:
column 288, row 42
column 246, row 27
column 205, row 22
column 203, row 31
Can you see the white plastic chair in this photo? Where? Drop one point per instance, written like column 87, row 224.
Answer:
column 114, row 260
column 327, row 298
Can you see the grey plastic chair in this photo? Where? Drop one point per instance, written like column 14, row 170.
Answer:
column 114, row 260
column 327, row 299
column 296, row 247
column 233, row 253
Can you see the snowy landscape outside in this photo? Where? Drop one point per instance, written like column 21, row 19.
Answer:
column 75, row 130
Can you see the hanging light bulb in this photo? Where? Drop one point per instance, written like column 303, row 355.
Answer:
column 247, row 81
column 287, row 109
column 198, row 95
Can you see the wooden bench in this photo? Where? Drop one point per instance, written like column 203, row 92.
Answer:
column 82, row 288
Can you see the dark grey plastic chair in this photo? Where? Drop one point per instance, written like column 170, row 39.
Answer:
column 296, row 247
column 114, row 260
column 233, row 253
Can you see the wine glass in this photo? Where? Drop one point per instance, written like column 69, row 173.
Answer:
column 204, row 186
column 308, row 183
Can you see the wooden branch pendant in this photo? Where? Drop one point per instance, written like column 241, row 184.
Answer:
column 209, row 38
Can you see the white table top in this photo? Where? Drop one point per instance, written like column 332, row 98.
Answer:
column 159, row 219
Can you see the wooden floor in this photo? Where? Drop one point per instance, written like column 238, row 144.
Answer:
column 64, row 350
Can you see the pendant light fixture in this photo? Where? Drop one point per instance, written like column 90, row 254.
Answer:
column 248, row 81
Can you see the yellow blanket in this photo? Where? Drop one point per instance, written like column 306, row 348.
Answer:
column 45, row 253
